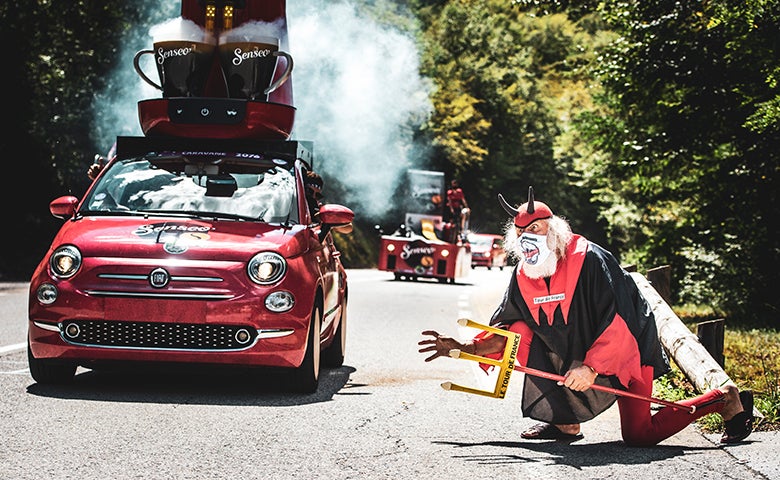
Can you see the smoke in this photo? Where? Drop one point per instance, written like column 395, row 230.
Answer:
column 115, row 109
column 357, row 91
column 358, row 94
column 180, row 29
column 252, row 31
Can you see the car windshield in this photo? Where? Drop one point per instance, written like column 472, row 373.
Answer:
column 247, row 187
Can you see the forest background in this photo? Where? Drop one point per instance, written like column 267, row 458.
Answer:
column 651, row 126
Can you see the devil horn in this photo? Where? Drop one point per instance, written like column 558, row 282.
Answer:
column 531, row 207
column 507, row 207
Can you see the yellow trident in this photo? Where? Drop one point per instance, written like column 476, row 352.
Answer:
column 506, row 364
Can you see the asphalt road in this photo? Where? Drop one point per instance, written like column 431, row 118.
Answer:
column 383, row 415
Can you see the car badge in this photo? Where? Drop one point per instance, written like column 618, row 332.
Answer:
column 159, row 278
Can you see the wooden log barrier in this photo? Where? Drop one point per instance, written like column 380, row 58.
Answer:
column 681, row 343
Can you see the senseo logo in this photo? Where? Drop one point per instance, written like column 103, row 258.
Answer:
column 163, row 54
column 154, row 229
column 416, row 248
column 240, row 55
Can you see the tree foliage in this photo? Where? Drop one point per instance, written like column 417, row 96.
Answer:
column 691, row 144
column 497, row 120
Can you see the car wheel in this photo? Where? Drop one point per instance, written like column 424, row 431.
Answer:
column 397, row 276
column 50, row 371
column 305, row 378
column 333, row 356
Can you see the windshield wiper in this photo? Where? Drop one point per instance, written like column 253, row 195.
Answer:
column 198, row 213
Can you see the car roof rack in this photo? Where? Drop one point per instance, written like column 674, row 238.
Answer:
column 127, row 147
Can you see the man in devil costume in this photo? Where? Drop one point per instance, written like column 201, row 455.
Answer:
column 580, row 315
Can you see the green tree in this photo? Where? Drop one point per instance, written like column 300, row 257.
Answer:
column 691, row 145
column 498, row 120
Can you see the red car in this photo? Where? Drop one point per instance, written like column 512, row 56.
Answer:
column 487, row 250
column 196, row 252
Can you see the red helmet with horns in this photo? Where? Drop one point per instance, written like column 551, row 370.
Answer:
column 528, row 212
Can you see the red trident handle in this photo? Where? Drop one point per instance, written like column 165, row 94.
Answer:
column 507, row 365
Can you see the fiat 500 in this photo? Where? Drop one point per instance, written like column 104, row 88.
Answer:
column 186, row 251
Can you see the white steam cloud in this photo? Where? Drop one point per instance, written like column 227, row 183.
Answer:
column 357, row 91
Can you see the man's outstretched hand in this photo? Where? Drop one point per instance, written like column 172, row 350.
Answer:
column 440, row 345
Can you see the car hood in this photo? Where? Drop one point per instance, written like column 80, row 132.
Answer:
column 190, row 238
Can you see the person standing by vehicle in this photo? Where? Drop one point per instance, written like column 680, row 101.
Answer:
column 580, row 315
column 457, row 205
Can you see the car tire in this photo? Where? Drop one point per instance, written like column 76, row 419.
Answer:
column 305, row 378
column 50, row 372
column 333, row 356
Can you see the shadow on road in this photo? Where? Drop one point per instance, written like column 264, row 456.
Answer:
column 571, row 453
column 197, row 387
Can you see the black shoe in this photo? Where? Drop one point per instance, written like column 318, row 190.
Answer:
column 741, row 425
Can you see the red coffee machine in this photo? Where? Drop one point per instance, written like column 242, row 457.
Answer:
column 215, row 115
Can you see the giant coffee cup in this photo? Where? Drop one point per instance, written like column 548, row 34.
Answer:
column 182, row 66
column 250, row 66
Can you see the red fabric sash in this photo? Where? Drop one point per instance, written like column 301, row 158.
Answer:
column 562, row 284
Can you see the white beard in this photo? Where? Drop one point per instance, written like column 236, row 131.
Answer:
column 543, row 270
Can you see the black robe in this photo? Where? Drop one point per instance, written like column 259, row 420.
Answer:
column 598, row 317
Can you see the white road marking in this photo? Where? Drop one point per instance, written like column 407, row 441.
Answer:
column 13, row 348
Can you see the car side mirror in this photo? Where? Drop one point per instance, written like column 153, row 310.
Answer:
column 337, row 217
column 64, row 207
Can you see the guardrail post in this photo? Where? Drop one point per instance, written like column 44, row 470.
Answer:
column 710, row 335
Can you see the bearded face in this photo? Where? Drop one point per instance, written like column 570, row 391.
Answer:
column 531, row 253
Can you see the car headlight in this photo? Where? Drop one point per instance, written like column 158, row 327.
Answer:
column 266, row 268
column 65, row 261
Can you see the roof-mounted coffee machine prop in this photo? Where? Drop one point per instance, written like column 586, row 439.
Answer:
column 222, row 71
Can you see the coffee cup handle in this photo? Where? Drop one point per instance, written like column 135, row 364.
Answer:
column 284, row 76
column 140, row 72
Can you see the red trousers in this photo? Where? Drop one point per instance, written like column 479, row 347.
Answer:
column 641, row 428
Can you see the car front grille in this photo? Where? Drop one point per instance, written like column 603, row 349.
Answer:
column 160, row 336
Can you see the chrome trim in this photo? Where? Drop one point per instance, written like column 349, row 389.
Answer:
column 274, row 332
column 182, row 296
column 261, row 334
column 117, row 276
column 177, row 278
column 157, row 349
column 47, row 326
